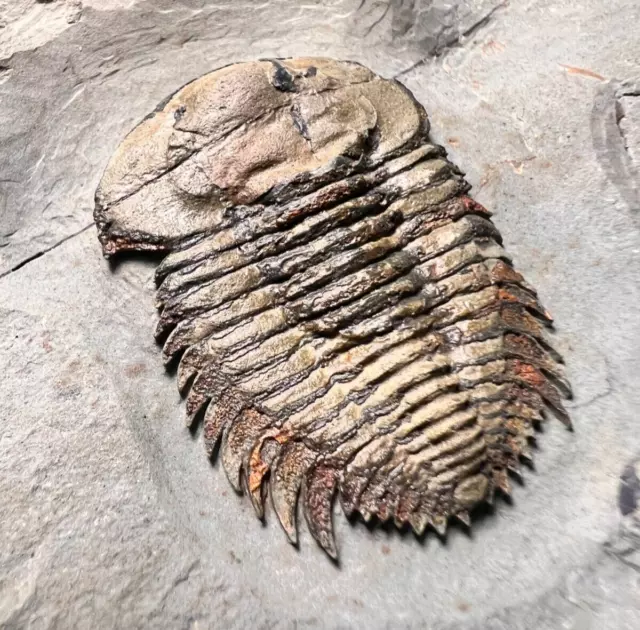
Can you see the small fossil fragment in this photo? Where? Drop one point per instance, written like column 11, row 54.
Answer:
column 346, row 318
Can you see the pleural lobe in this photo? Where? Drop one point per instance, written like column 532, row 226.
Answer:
column 346, row 319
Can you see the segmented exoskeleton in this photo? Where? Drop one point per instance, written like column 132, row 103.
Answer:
column 346, row 318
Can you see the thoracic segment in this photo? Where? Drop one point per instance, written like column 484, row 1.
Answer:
column 391, row 355
column 363, row 336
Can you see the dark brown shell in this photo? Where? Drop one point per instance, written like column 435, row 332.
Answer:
column 347, row 319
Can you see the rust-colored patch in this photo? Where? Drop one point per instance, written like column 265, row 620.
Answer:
column 257, row 469
column 582, row 71
column 281, row 437
column 518, row 165
column 46, row 344
column 505, row 296
column 493, row 46
column 528, row 373
column 502, row 272
column 135, row 369
column 258, row 472
column 463, row 606
column 473, row 206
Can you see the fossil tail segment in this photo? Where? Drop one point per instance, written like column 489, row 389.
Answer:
column 346, row 318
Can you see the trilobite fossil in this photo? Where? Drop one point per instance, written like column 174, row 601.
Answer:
column 346, row 318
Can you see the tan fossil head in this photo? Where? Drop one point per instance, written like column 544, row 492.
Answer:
column 241, row 133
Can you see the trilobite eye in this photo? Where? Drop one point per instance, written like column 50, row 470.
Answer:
column 346, row 319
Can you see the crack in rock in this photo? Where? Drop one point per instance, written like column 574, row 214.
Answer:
column 628, row 120
column 615, row 130
column 455, row 39
column 625, row 544
column 606, row 392
column 39, row 254
column 629, row 495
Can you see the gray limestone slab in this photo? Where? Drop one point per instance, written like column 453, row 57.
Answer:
column 112, row 516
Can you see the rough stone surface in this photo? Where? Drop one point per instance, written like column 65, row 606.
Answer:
column 26, row 24
column 111, row 514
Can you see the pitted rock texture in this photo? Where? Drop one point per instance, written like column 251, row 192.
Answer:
column 112, row 515
column 346, row 318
